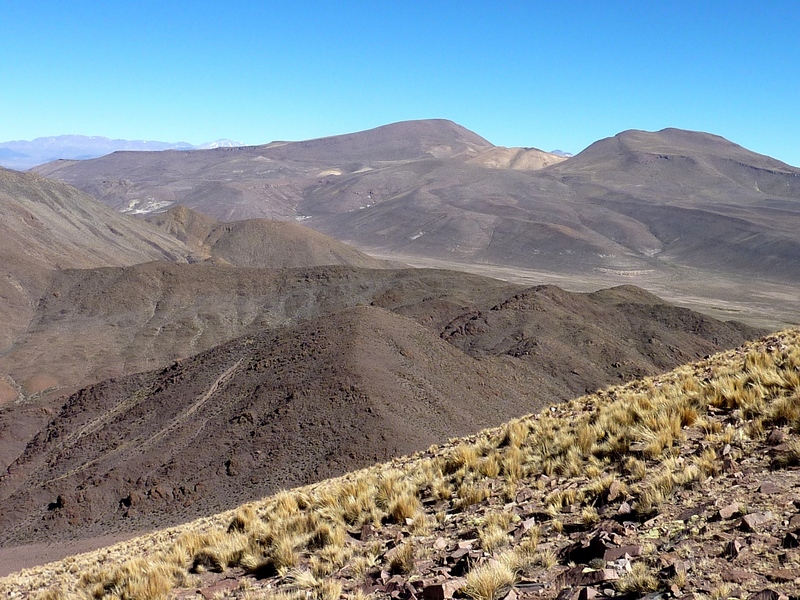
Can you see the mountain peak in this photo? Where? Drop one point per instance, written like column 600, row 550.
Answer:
column 404, row 140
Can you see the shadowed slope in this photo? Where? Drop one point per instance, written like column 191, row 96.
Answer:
column 362, row 376
column 100, row 323
column 257, row 414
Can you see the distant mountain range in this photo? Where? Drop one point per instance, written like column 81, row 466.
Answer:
column 636, row 203
column 24, row 154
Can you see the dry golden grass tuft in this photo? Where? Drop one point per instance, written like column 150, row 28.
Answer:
column 489, row 581
column 639, row 443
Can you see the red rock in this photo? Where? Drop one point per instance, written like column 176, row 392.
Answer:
column 578, row 576
column 615, row 553
column 585, row 551
column 776, row 437
column 791, row 540
column 783, row 575
column 768, row 595
column 588, row 593
column 457, row 555
column 673, row 568
column 512, row 595
column 530, row 523
column 794, row 522
column 729, row 465
column 569, row 593
column 755, row 521
column 614, row 491
column 733, row 548
column 738, row 576
column 769, row 487
column 729, row 511
column 523, row 495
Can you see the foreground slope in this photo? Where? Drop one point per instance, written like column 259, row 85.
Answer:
column 682, row 483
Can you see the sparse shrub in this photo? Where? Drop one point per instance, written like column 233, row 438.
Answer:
column 721, row 591
column 402, row 560
column 245, row 519
column 493, row 537
column 525, row 551
column 326, row 535
column 283, row 553
column 589, row 515
column 463, row 456
column 636, row 468
column 404, row 507
column 489, row 581
column 490, row 466
column 640, row 579
column 547, row 558
column 789, row 458
column 469, row 494
column 362, row 563
column 330, row 589
column 514, row 433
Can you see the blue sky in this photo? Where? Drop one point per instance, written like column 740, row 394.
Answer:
column 544, row 74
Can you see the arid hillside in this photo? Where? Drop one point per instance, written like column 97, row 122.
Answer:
column 259, row 242
column 46, row 225
column 679, row 485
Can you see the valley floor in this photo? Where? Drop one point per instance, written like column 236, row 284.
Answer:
column 768, row 304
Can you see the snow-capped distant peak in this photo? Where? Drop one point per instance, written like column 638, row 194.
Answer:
column 219, row 144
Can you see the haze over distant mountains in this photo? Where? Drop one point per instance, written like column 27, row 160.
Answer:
column 24, row 154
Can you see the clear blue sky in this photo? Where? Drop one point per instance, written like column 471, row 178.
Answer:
column 519, row 73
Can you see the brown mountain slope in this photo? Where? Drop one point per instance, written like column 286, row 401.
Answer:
column 100, row 323
column 681, row 485
column 46, row 225
column 259, row 242
column 258, row 181
column 520, row 351
column 270, row 180
column 706, row 201
column 257, row 414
